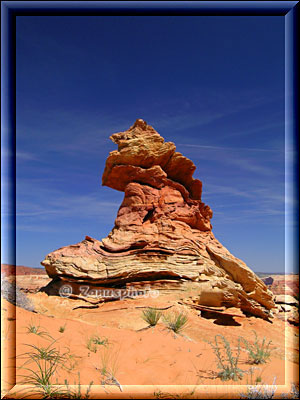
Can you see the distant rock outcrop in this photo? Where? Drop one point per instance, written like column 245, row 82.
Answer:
column 162, row 230
column 288, row 308
column 13, row 270
column 268, row 281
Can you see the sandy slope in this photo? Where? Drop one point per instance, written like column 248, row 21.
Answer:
column 154, row 356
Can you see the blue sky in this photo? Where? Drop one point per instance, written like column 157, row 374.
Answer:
column 212, row 85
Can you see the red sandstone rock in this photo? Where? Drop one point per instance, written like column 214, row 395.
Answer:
column 162, row 230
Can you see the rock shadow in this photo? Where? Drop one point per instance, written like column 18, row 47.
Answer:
column 220, row 319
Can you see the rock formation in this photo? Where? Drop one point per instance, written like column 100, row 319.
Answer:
column 288, row 308
column 162, row 231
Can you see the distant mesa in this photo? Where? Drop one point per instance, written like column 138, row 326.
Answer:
column 13, row 270
column 162, row 231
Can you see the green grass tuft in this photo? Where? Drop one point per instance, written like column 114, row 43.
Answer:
column 62, row 328
column 35, row 329
column 151, row 316
column 44, row 363
column 94, row 341
column 176, row 322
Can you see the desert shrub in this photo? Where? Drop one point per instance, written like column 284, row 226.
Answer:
column 176, row 322
column 227, row 363
column 258, row 353
column 62, row 328
column 151, row 316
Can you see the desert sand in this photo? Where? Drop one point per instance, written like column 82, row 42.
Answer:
column 140, row 355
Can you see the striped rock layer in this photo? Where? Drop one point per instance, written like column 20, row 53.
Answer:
column 162, row 231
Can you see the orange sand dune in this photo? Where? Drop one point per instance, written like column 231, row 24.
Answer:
column 142, row 356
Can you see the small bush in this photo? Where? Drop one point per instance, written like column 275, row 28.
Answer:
column 62, row 328
column 258, row 353
column 151, row 316
column 176, row 322
column 227, row 363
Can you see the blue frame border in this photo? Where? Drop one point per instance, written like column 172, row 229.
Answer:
column 11, row 9
column 152, row 7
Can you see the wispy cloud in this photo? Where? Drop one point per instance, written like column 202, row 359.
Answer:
column 54, row 202
column 240, row 160
column 77, row 133
column 212, row 190
column 256, row 204
column 40, row 206
column 26, row 156
column 250, row 166
column 278, row 123
column 211, row 107
column 227, row 148
column 86, row 133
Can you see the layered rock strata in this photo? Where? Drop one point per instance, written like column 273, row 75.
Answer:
column 162, row 231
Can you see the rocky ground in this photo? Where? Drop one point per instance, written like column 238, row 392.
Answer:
column 138, row 355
